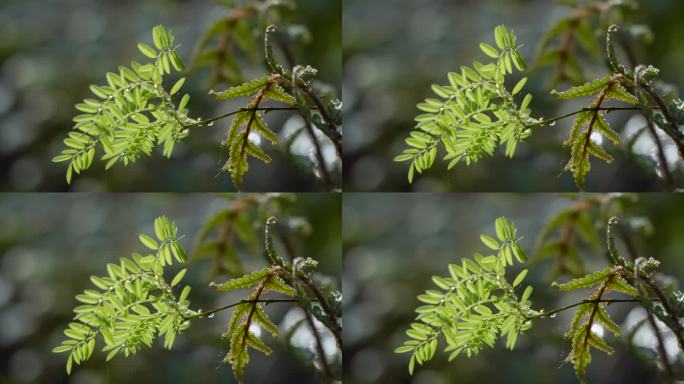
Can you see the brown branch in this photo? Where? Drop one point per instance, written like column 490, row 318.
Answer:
column 224, row 239
column 240, row 110
column 253, row 104
column 661, row 346
column 332, row 314
column 661, row 155
column 319, row 155
column 633, row 254
column 225, row 232
column 590, row 320
column 674, row 133
column 674, row 324
column 319, row 345
column 248, row 321
column 332, row 134
column 566, row 46
column 569, row 233
column 224, row 48
column 566, row 241
column 597, row 103
column 550, row 314
column 308, row 281
column 567, row 42
column 287, row 244
column 207, row 314
column 586, row 109
column 309, row 128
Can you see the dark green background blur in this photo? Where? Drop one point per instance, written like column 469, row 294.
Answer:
column 394, row 243
column 394, row 50
column 51, row 243
column 51, row 50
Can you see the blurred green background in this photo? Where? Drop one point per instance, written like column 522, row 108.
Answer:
column 50, row 51
column 51, row 243
column 394, row 243
column 392, row 54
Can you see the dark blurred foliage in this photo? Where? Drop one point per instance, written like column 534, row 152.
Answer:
column 50, row 51
column 394, row 243
column 392, row 54
column 50, row 244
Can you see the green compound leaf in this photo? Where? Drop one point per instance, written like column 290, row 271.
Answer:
column 587, row 89
column 250, row 313
column 240, row 145
column 131, row 307
column 489, row 50
column 593, row 311
column 474, row 306
column 591, row 121
column 587, row 281
column 474, row 113
column 243, row 90
column 131, row 114
column 245, row 281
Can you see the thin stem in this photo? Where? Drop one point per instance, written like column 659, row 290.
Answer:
column 325, row 176
column 267, row 301
column 674, row 324
column 590, row 321
column 319, row 345
column 332, row 314
column 587, row 109
column 248, row 321
column 330, row 131
column 266, row 109
column 319, row 156
column 661, row 346
column 248, row 127
column 661, row 155
column 673, row 132
column 631, row 248
column 607, row 301
column 302, row 276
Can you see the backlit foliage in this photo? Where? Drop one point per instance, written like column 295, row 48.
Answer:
column 281, row 277
column 239, row 144
column 133, row 304
column 593, row 312
column 475, row 112
column 133, row 112
column 475, row 305
column 592, row 121
column 239, row 333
